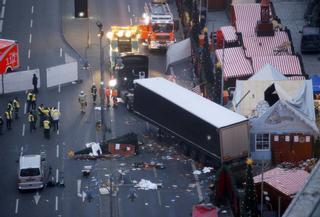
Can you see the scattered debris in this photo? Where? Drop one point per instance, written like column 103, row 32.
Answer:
column 196, row 172
column 146, row 204
column 86, row 171
column 144, row 165
column 104, row 190
column 174, row 186
column 207, row 169
column 95, row 147
column 146, row 185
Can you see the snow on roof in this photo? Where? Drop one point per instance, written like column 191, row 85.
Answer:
column 268, row 72
column 286, row 181
column 205, row 109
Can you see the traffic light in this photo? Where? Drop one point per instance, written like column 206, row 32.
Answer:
column 81, row 8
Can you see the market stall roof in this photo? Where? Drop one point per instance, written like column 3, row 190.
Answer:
column 315, row 83
column 229, row 34
column 178, row 52
column 235, row 63
column 287, row 181
column 205, row 109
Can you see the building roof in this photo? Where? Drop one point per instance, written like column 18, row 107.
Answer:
column 203, row 108
column 289, row 182
column 306, row 203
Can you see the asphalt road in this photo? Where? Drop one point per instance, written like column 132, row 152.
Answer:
column 36, row 25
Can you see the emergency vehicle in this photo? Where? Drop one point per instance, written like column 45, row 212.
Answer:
column 158, row 28
column 123, row 40
column 9, row 56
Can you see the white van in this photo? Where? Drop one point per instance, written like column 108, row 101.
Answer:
column 31, row 172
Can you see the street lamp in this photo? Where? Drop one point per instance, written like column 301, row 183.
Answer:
column 103, row 126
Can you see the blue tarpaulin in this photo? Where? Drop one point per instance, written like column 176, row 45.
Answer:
column 316, row 83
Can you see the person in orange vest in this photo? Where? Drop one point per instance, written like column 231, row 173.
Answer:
column 108, row 96
column 46, row 128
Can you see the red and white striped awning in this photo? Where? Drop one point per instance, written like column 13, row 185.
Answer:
column 266, row 46
column 236, row 65
column 296, row 78
column 246, row 27
column 229, row 34
column 286, row 181
column 247, row 11
column 287, row 65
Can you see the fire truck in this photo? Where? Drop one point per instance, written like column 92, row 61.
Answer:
column 123, row 40
column 9, row 56
column 158, row 28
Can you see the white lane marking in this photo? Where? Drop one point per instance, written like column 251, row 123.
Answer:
column 21, row 151
column 58, row 132
column 79, row 188
column 129, row 8
column 23, row 129
column 131, row 21
column 60, row 52
column 2, row 12
column 155, row 173
column 30, row 38
column 57, row 175
column 28, row 67
column 32, row 9
column 1, row 25
column 159, row 198
column 59, row 88
column 25, row 108
column 58, row 105
column 197, row 182
column 29, row 53
column 56, row 207
column 57, row 151
column 31, row 23
column 17, row 206
column 4, row 2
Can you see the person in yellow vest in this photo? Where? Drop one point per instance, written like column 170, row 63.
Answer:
column 46, row 128
column 29, row 100
column 34, row 101
column 8, row 115
column 16, row 107
column 32, row 121
column 41, row 114
column 10, row 106
column 46, row 112
column 55, row 115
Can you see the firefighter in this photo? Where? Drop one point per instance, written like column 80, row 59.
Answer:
column 8, row 115
column 83, row 101
column 41, row 114
column 1, row 124
column 29, row 100
column 35, row 83
column 94, row 93
column 10, row 106
column 55, row 115
column 108, row 96
column 16, row 106
column 46, row 128
column 46, row 112
column 34, row 101
column 32, row 121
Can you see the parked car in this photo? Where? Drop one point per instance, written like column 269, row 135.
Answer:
column 31, row 172
column 310, row 40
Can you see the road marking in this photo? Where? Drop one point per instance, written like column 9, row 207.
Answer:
column 1, row 25
column 131, row 21
column 79, row 188
column 32, row 9
column 21, row 151
column 37, row 197
column 129, row 8
column 2, row 11
column 30, row 38
column 197, row 182
column 159, row 197
column 60, row 52
column 4, row 2
column 31, row 23
column 56, row 203
column 28, row 67
column 23, row 129
column 57, row 175
column 17, row 206
column 57, row 151
column 59, row 88
column 58, row 105
column 29, row 53
column 25, row 108
column 155, row 173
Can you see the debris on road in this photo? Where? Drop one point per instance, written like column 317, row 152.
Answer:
column 197, row 172
column 146, row 185
column 151, row 165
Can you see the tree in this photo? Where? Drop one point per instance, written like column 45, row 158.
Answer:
column 195, row 30
column 249, row 204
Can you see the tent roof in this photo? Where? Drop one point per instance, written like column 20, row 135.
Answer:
column 201, row 107
column 268, row 72
column 178, row 51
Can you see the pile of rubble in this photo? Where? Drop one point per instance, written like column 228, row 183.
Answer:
column 306, row 165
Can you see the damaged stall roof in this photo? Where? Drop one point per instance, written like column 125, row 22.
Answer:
column 203, row 108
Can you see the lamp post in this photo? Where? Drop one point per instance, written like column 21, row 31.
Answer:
column 102, row 106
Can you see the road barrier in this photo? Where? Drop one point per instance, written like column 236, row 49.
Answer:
column 18, row 81
column 62, row 74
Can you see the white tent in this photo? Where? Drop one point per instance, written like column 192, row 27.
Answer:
column 268, row 72
column 178, row 51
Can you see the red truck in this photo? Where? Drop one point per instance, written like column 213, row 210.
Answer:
column 9, row 56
